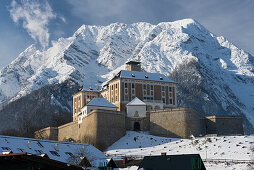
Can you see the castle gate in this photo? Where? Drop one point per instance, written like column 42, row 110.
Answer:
column 136, row 126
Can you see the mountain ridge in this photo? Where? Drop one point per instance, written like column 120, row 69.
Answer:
column 95, row 53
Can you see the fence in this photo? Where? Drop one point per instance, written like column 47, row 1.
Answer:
column 233, row 161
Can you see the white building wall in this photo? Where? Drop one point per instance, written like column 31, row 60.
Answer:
column 141, row 110
column 87, row 109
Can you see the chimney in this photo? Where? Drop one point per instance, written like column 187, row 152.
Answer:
column 133, row 66
column 163, row 154
column 124, row 160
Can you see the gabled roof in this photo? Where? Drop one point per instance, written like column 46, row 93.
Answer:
column 136, row 102
column 56, row 150
column 101, row 102
column 28, row 161
column 138, row 75
column 133, row 62
column 185, row 161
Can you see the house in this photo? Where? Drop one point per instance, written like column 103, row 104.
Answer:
column 173, row 162
column 82, row 98
column 95, row 104
column 61, row 153
column 155, row 89
column 24, row 161
column 136, row 116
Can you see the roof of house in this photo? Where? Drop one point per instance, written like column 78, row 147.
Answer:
column 133, row 62
column 29, row 161
column 56, row 150
column 138, row 75
column 101, row 102
column 165, row 162
column 136, row 102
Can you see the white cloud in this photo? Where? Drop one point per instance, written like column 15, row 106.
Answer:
column 35, row 17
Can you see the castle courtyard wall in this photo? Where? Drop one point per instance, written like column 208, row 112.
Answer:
column 175, row 122
column 68, row 132
column 49, row 133
column 100, row 128
column 224, row 125
column 110, row 128
column 144, row 122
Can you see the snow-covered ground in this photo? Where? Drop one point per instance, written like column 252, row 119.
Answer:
column 225, row 147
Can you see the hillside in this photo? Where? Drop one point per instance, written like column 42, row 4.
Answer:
column 138, row 144
column 214, row 75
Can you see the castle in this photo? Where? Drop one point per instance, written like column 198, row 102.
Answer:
column 135, row 100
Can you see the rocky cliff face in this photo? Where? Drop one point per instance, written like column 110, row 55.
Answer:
column 220, row 72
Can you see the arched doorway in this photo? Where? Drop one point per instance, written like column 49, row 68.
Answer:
column 136, row 126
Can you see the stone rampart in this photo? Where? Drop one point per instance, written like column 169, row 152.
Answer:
column 175, row 122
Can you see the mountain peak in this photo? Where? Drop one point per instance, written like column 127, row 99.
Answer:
column 95, row 53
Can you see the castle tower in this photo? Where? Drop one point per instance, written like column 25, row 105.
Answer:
column 81, row 98
column 133, row 66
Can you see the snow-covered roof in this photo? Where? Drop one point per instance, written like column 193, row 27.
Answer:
column 136, row 102
column 101, row 102
column 137, row 75
column 57, row 150
column 92, row 88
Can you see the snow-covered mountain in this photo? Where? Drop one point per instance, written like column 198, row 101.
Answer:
column 94, row 53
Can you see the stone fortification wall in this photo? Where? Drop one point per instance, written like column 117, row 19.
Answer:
column 101, row 128
column 68, row 132
column 175, row 122
column 144, row 122
column 224, row 125
column 49, row 133
column 110, row 128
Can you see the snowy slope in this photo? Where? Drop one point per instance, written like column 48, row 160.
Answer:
column 63, row 150
column 94, row 53
column 228, row 147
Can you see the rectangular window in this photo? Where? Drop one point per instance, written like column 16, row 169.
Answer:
column 75, row 99
column 126, row 85
column 38, row 151
column 21, row 150
column 144, row 86
column 75, row 110
column 69, row 153
column 144, row 98
column 116, row 85
column 39, row 144
column 126, row 91
column 133, row 91
column 162, row 88
column 170, row 101
column 133, row 85
column 163, row 100
column 151, row 87
column 116, row 98
column 170, row 89
column 112, row 99
column 54, row 153
column 151, row 98
column 6, row 148
column 152, row 93
column 126, row 97
column 79, row 98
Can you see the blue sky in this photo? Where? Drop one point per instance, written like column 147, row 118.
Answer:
column 26, row 22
